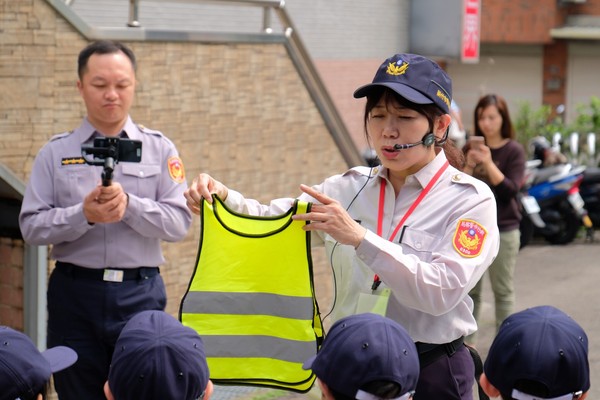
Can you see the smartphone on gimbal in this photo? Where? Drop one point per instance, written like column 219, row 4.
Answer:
column 108, row 151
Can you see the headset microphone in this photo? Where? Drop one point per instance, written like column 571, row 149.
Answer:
column 427, row 141
column 407, row 145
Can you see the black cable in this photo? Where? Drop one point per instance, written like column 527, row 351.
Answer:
column 443, row 140
column 336, row 244
column 334, row 282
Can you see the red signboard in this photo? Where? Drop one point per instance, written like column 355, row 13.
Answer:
column 470, row 31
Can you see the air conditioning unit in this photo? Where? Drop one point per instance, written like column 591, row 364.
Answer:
column 572, row 1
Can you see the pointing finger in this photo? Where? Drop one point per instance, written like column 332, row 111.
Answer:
column 323, row 199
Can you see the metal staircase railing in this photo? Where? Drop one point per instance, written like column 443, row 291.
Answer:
column 289, row 36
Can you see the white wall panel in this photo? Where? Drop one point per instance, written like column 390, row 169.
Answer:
column 583, row 78
column 514, row 73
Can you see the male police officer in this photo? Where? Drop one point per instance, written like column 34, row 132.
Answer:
column 106, row 239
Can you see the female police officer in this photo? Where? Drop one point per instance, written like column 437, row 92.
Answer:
column 409, row 238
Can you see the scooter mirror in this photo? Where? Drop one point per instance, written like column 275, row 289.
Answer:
column 574, row 143
column 556, row 141
column 591, row 144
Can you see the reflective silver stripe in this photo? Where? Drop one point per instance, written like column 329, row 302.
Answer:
column 248, row 303
column 524, row 396
column 362, row 395
column 239, row 346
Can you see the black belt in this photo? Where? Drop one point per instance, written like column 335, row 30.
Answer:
column 106, row 274
column 429, row 352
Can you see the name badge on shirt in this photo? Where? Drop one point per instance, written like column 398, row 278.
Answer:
column 375, row 302
column 113, row 275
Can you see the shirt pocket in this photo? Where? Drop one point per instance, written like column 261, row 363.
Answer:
column 141, row 179
column 419, row 242
column 74, row 182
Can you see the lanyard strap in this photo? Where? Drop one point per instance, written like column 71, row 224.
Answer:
column 411, row 208
column 376, row 280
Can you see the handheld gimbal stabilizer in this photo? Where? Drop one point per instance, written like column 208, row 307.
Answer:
column 108, row 151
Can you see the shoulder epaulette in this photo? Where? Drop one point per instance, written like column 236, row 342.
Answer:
column 145, row 129
column 60, row 136
column 462, row 178
column 362, row 170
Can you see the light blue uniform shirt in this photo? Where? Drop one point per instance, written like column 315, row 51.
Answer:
column 52, row 210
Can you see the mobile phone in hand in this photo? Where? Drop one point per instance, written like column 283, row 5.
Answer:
column 476, row 142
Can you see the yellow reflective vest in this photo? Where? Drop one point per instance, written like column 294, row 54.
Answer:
column 251, row 298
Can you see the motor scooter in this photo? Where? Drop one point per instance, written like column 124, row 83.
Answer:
column 555, row 189
column 530, row 208
column 590, row 193
column 590, row 184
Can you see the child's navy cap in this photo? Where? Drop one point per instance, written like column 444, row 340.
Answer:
column 541, row 345
column 414, row 77
column 157, row 358
column 24, row 370
column 364, row 348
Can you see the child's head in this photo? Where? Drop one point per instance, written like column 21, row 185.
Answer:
column 539, row 353
column 367, row 356
column 156, row 357
column 24, row 370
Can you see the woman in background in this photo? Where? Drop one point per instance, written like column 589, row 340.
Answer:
column 494, row 156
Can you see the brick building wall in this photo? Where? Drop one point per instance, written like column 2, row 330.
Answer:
column 237, row 111
column 342, row 78
column 346, row 39
column 526, row 22
column 555, row 71
column 590, row 7
column 518, row 21
column 11, row 283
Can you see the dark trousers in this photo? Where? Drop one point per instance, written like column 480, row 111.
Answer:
column 448, row 378
column 87, row 314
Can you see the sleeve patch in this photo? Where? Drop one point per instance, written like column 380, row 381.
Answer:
column 176, row 170
column 469, row 238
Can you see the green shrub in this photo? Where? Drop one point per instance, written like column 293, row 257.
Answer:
column 530, row 122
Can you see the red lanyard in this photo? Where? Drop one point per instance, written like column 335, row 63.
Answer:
column 376, row 280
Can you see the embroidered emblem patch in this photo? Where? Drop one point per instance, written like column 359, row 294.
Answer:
column 469, row 238
column 72, row 161
column 176, row 170
column 398, row 68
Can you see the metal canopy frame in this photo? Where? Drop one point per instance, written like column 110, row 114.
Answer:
column 135, row 31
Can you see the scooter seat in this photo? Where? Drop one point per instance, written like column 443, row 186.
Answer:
column 591, row 175
column 546, row 173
